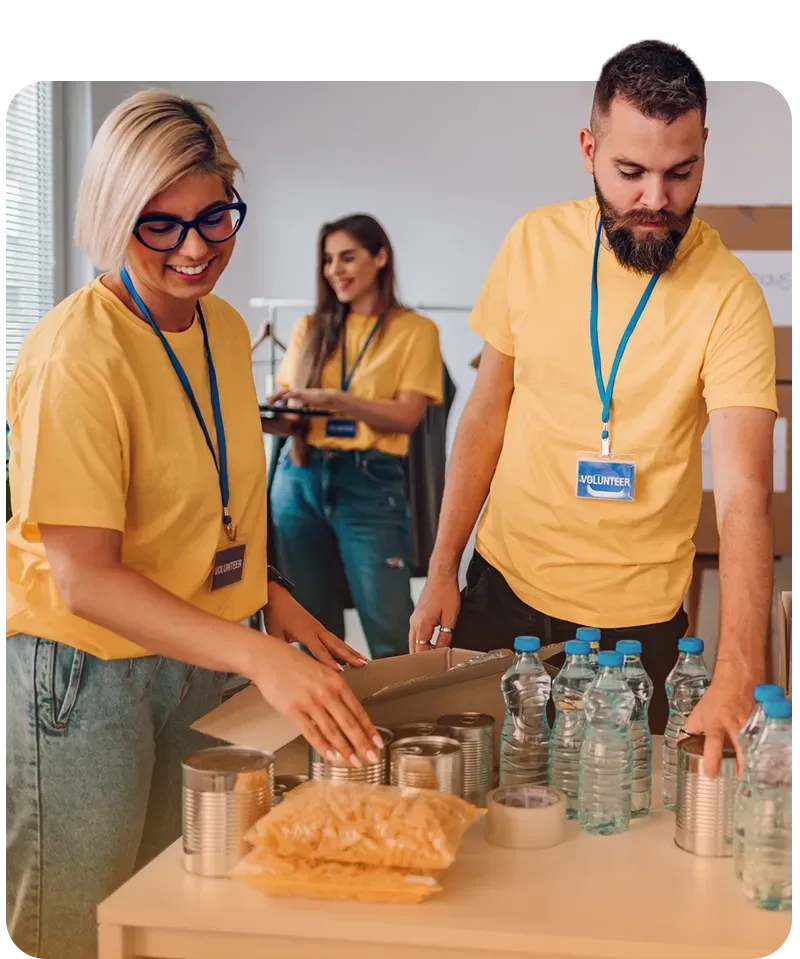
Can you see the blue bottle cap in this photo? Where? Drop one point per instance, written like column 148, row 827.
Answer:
column 588, row 634
column 629, row 647
column 778, row 708
column 690, row 645
column 527, row 644
column 576, row 647
column 609, row 657
column 764, row 692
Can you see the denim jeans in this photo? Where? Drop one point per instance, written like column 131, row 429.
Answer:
column 492, row 616
column 93, row 781
column 343, row 521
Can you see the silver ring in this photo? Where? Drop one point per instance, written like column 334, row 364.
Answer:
column 445, row 629
column 422, row 642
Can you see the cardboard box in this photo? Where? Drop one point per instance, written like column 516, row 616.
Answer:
column 402, row 689
column 741, row 229
column 785, row 641
column 706, row 539
column 750, row 227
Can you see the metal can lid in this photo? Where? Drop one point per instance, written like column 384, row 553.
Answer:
column 525, row 797
column 694, row 745
column 466, row 720
column 228, row 759
column 419, row 729
column 425, row 746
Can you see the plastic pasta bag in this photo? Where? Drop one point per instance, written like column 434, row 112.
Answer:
column 417, row 830
column 296, row 878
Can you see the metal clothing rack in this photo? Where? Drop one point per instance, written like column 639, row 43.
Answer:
column 272, row 305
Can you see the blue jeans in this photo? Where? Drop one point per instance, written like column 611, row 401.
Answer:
column 93, row 781
column 343, row 521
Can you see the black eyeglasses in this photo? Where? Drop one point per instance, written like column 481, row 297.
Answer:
column 162, row 232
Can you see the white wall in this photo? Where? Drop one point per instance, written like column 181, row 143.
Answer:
column 447, row 167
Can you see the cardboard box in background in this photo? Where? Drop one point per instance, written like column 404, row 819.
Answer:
column 743, row 229
column 785, row 641
column 706, row 538
column 402, row 689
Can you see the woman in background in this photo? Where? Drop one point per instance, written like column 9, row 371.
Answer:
column 339, row 498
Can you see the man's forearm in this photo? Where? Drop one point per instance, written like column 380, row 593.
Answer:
column 473, row 462
column 745, row 575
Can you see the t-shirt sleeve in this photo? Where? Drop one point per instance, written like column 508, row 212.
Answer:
column 423, row 371
column 739, row 363
column 490, row 317
column 71, row 467
column 288, row 367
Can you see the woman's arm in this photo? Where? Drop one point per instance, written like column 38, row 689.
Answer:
column 95, row 585
column 401, row 414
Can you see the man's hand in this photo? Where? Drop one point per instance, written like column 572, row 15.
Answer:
column 720, row 715
column 285, row 617
column 438, row 605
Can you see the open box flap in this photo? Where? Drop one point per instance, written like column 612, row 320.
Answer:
column 247, row 719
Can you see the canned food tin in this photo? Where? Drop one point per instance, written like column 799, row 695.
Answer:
column 410, row 730
column 705, row 807
column 475, row 732
column 284, row 785
column 226, row 790
column 340, row 770
column 427, row 762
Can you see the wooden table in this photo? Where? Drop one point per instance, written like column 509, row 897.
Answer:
column 634, row 896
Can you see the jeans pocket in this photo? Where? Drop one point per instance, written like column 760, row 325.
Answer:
column 382, row 468
column 65, row 674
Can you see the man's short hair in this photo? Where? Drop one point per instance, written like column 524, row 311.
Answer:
column 656, row 78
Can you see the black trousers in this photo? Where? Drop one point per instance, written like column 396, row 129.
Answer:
column 492, row 616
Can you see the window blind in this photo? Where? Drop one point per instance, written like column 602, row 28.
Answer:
column 30, row 267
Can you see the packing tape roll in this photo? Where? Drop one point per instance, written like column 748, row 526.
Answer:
column 526, row 817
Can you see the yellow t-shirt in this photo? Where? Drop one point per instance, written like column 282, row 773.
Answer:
column 704, row 341
column 403, row 356
column 102, row 434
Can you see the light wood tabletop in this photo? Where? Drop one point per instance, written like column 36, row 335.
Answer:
column 632, row 896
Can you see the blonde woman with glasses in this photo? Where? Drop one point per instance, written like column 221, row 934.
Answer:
column 137, row 543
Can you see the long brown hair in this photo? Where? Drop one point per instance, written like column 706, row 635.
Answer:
column 325, row 324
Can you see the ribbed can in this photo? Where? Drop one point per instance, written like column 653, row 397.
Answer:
column 284, row 785
column 704, row 815
column 475, row 732
column 410, row 730
column 226, row 790
column 427, row 762
column 377, row 774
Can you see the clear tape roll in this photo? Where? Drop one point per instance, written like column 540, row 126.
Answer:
column 526, row 817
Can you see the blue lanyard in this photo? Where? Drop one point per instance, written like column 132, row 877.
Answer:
column 607, row 391
column 222, row 463
column 347, row 379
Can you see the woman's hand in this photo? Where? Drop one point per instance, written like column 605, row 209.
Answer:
column 285, row 617
column 313, row 397
column 317, row 700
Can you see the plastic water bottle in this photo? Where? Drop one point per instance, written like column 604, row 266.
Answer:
column 640, row 684
column 685, row 685
column 525, row 738
column 566, row 739
column 606, row 771
column 748, row 738
column 590, row 635
column 768, row 823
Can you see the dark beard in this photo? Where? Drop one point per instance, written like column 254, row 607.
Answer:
column 652, row 253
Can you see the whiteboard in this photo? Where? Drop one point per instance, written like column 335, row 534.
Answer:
column 773, row 271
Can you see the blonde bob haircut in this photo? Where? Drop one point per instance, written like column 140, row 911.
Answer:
column 144, row 146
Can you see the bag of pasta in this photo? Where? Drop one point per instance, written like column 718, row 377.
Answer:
column 417, row 830
column 296, row 878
